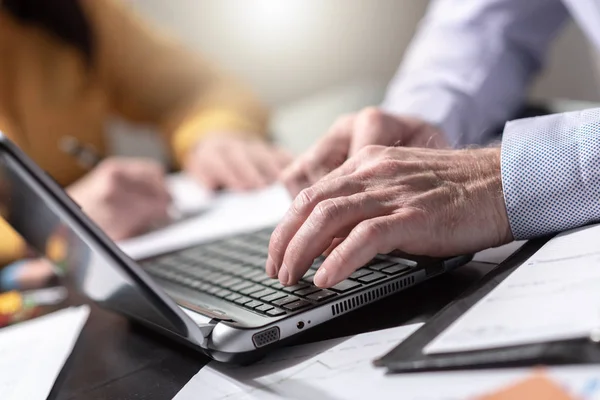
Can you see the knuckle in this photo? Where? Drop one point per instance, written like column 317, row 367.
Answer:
column 373, row 150
column 369, row 231
column 306, row 200
column 327, row 211
column 371, row 116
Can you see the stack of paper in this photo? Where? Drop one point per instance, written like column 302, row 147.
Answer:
column 554, row 295
column 341, row 369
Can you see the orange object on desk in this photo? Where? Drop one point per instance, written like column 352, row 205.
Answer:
column 537, row 386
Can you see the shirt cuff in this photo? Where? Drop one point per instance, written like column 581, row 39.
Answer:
column 551, row 172
column 215, row 120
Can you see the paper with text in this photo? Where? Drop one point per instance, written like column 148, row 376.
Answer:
column 554, row 295
column 290, row 369
column 33, row 353
column 341, row 369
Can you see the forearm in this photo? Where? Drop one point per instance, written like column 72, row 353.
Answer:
column 467, row 73
column 550, row 172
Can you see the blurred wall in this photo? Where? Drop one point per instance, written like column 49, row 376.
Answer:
column 287, row 49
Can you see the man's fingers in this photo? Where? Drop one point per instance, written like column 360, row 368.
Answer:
column 299, row 211
column 326, row 155
column 294, row 178
column 331, row 218
column 330, row 152
column 335, row 243
column 364, row 242
column 373, row 126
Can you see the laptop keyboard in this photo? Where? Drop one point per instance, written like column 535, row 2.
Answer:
column 234, row 270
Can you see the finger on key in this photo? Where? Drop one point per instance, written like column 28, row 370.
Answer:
column 364, row 242
column 331, row 218
column 300, row 210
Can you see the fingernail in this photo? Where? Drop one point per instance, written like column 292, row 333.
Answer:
column 320, row 278
column 284, row 275
column 270, row 267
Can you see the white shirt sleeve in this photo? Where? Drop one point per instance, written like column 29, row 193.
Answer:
column 469, row 65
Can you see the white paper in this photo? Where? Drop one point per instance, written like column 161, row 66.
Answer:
column 554, row 295
column 221, row 215
column 32, row 353
column 291, row 372
column 341, row 369
column 188, row 196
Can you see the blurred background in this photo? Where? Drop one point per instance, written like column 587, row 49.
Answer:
column 311, row 60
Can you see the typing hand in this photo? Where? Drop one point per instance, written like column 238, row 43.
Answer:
column 421, row 201
column 233, row 161
column 351, row 133
column 125, row 197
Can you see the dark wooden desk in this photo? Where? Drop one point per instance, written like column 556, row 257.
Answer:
column 114, row 359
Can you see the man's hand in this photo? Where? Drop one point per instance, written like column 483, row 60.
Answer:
column 421, row 201
column 351, row 133
column 234, row 162
column 124, row 197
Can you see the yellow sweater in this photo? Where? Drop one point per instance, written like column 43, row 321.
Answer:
column 47, row 92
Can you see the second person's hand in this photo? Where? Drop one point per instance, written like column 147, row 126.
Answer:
column 236, row 161
column 351, row 133
column 125, row 197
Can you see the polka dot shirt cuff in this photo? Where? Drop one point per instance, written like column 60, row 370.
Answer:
column 551, row 172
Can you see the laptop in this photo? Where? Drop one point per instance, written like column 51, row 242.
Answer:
column 214, row 297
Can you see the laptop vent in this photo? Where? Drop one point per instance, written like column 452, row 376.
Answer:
column 372, row 295
column 266, row 337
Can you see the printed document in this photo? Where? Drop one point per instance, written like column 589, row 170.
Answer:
column 554, row 295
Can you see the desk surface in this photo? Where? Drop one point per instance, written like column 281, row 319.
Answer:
column 114, row 359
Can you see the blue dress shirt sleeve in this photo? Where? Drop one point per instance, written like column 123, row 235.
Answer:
column 551, row 172
column 470, row 63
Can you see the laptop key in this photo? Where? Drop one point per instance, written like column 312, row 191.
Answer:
column 262, row 293
column 240, row 286
column 264, row 308
column 233, row 297
column 213, row 289
column 360, row 273
column 243, row 300
column 251, row 289
column 345, row 286
column 285, row 300
column 253, row 304
column 249, row 273
column 273, row 297
column 321, row 295
column 274, row 312
column 269, row 282
column 296, row 305
column 295, row 287
column 260, row 277
column 375, row 276
column 277, row 285
column 378, row 266
column 232, row 282
column 306, row 291
column 223, row 293
column 395, row 269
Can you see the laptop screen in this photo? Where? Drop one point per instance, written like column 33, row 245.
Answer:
column 38, row 212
